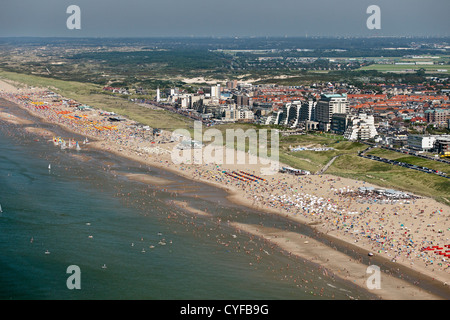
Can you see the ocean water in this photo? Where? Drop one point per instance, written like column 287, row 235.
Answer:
column 81, row 212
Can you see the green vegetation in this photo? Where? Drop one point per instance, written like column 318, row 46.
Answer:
column 391, row 176
column 392, row 155
column 315, row 160
column 402, row 68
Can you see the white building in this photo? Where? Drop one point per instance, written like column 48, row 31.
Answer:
column 361, row 127
column 238, row 114
column 158, row 95
column 215, row 92
column 290, row 114
column 421, row 142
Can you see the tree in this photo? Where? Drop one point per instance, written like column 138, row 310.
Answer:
column 421, row 72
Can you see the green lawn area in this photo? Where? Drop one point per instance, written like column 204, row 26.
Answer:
column 401, row 68
column 401, row 157
column 314, row 160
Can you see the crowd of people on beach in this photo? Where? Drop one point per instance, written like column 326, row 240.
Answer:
column 396, row 228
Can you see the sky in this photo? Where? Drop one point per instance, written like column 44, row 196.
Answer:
column 222, row 18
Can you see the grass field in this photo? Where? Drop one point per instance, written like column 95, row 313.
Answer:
column 314, row 160
column 403, row 68
column 392, row 155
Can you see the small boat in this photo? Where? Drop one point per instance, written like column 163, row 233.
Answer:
column 49, row 167
column 370, row 254
column 104, row 266
column 1, row 208
column 47, row 252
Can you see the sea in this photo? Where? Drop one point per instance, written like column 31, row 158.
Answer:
column 66, row 209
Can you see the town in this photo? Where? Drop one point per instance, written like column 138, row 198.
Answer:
column 413, row 117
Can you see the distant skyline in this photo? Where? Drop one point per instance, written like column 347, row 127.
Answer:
column 214, row 18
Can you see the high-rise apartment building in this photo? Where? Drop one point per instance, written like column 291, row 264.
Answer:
column 328, row 105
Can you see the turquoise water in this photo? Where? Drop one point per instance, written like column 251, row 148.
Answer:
column 84, row 214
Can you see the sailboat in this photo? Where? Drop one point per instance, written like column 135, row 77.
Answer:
column 78, row 147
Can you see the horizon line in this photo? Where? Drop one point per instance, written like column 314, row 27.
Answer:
column 235, row 37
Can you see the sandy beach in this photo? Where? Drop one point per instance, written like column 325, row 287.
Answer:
column 407, row 232
column 341, row 265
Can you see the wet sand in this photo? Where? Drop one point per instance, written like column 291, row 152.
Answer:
column 146, row 178
column 40, row 131
column 333, row 261
column 185, row 205
column 5, row 116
